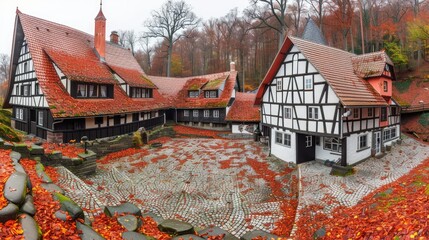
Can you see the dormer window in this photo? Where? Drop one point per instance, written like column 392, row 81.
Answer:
column 141, row 92
column 210, row 94
column 193, row 93
column 91, row 90
column 385, row 86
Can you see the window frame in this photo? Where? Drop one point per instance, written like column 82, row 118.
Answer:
column 313, row 113
column 332, row 141
column 288, row 112
column 206, row 113
column 385, row 86
column 195, row 113
column 308, row 85
column 40, row 118
column 383, row 114
column 216, row 113
column 287, row 139
column 356, row 113
column 193, row 93
column 98, row 120
column 279, row 85
column 308, row 141
column 362, row 142
column 370, row 110
column 185, row 113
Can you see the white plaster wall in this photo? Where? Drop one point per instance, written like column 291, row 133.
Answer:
column 323, row 154
column 287, row 154
column 353, row 155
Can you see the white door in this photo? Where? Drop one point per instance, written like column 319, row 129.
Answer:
column 377, row 143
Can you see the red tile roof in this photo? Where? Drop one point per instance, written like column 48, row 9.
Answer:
column 335, row 66
column 371, row 64
column 243, row 109
column 69, row 49
column 176, row 89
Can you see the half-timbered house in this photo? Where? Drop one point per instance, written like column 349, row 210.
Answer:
column 202, row 101
column 243, row 115
column 66, row 84
column 319, row 102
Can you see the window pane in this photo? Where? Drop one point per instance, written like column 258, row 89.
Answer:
column 279, row 138
column 81, row 90
column 103, row 91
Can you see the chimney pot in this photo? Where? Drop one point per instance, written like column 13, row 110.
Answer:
column 232, row 66
column 114, row 37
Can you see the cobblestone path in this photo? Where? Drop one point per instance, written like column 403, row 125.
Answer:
column 318, row 187
column 204, row 182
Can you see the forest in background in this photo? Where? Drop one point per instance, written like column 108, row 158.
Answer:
column 252, row 38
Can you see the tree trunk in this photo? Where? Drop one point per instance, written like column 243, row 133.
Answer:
column 169, row 53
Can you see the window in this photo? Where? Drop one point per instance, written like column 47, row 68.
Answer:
column 313, row 113
column 393, row 111
column 332, row 144
column 25, row 67
column 193, row 94
column 195, row 113
column 16, row 90
column 279, row 138
column 363, row 142
column 81, row 90
column 40, row 120
column 186, row 113
column 26, row 90
column 146, row 115
column 36, row 89
column 279, row 84
column 117, row 120
column 383, row 116
column 389, row 134
column 103, row 91
column 139, row 92
column 385, row 86
column 308, row 141
column 210, row 94
column 308, row 84
column 206, row 113
column 288, row 113
column 98, row 120
column 355, row 112
column 92, row 91
column 283, row 139
column 295, row 64
column 370, row 112
column 287, row 141
column 19, row 114
column 216, row 113
column 317, row 140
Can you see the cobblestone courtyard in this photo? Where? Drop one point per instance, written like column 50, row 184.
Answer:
column 204, row 182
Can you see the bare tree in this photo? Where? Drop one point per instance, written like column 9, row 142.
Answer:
column 271, row 14
column 147, row 50
column 318, row 7
column 296, row 9
column 4, row 67
column 128, row 39
column 168, row 24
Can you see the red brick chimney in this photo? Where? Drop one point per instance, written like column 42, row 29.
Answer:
column 100, row 33
column 114, row 37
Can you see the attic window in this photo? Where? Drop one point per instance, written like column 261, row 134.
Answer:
column 193, row 93
column 210, row 94
column 141, row 92
column 85, row 90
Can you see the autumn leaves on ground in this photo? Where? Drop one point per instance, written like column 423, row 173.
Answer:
column 399, row 210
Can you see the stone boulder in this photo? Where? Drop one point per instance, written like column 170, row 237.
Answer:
column 125, row 208
column 258, row 233
column 62, row 215
column 15, row 188
column 10, row 212
column 176, row 227
column 52, row 188
column 129, row 222
column 158, row 219
column 133, row 236
column 216, row 231
column 30, row 227
column 28, row 206
column 87, row 233
column 74, row 210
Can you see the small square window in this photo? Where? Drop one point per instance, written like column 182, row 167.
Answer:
column 98, row 120
column 313, row 113
column 308, row 83
column 286, row 140
column 81, row 90
column 186, row 113
column 206, row 113
column 195, row 113
column 308, row 141
column 355, row 113
column 279, row 138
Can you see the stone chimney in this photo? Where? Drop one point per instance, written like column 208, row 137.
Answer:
column 232, row 67
column 114, row 37
column 100, row 34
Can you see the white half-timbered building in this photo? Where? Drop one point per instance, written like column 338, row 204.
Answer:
column 319, row 102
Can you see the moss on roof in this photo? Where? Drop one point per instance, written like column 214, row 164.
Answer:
column 214, row 84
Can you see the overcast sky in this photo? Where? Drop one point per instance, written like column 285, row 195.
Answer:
column 120, row 14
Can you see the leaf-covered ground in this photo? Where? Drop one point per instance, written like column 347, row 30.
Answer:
column 399, row 210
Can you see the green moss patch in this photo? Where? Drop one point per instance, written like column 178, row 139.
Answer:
column 424, row 119
column 402, row 86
